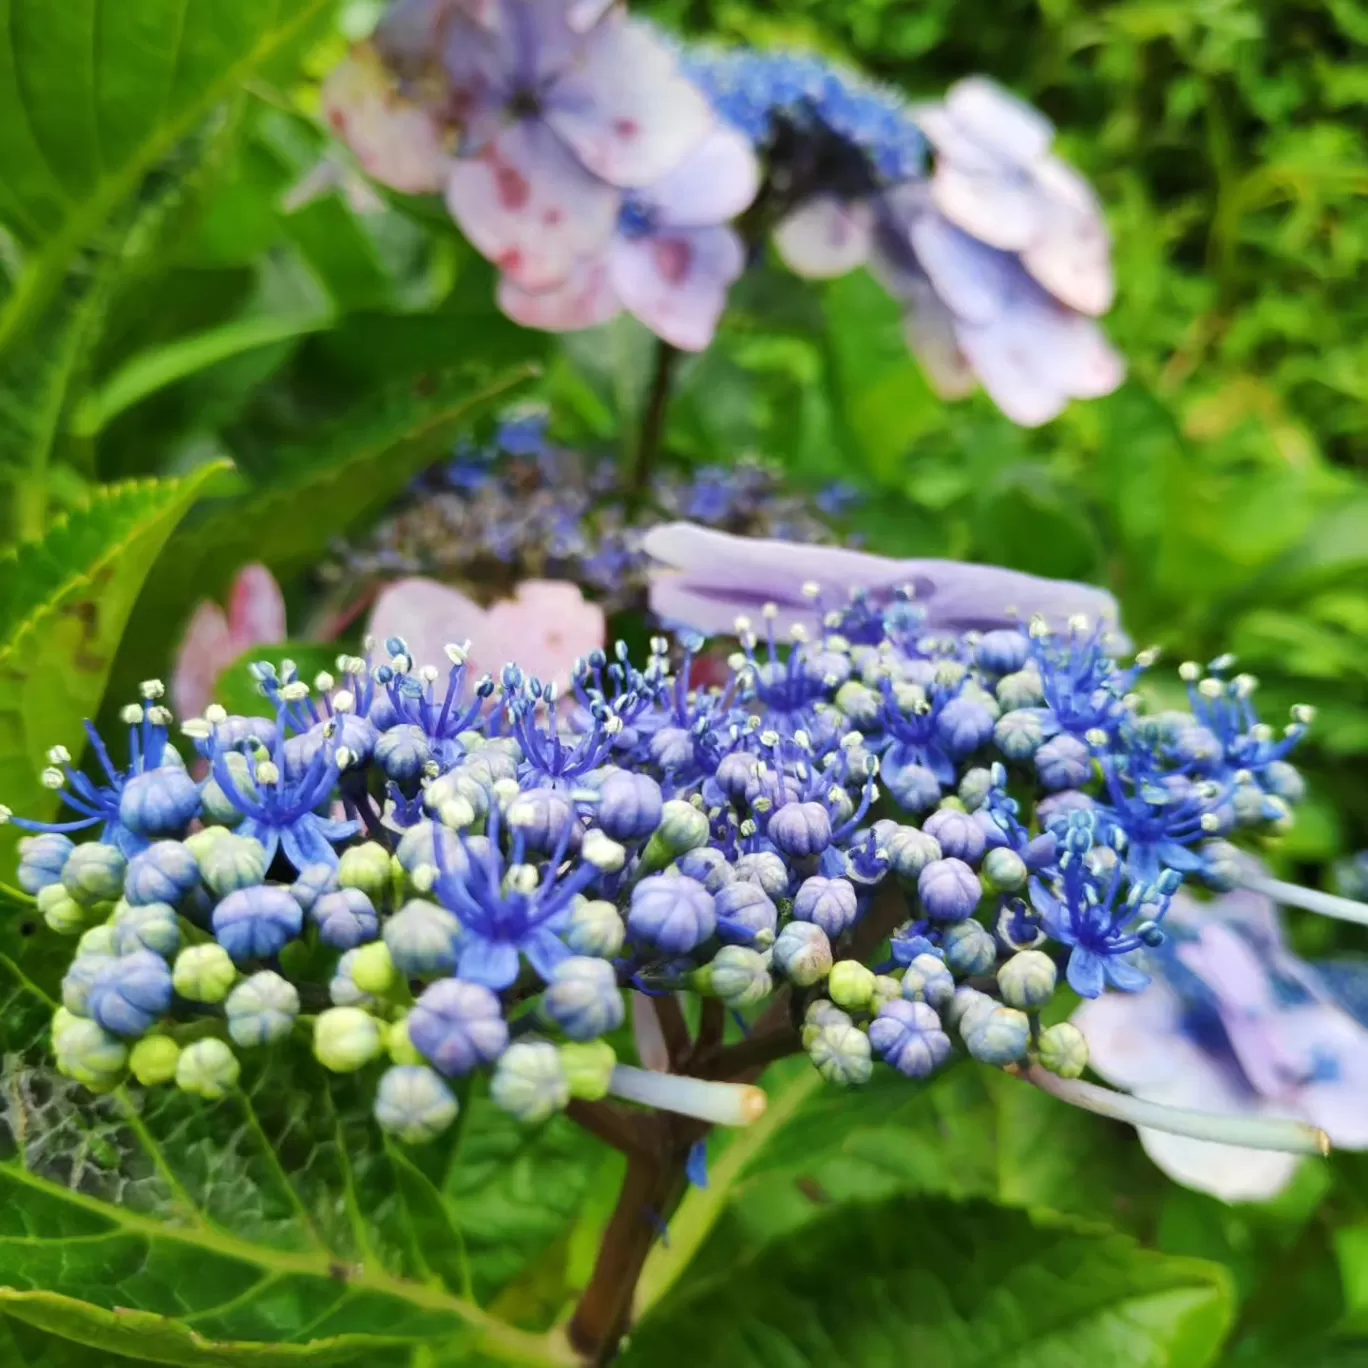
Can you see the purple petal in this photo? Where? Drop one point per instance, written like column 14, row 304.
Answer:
column 530, row 207
column 997, row 120
column 1071, row 252
column 1086, row 972
column 713, row 184
column 1136, row 1042
column 676, row 282
column 826, row 237
column 976, row 282
column 929, row 328
column 624, row 107
column 492, row 963
column 999, row 205
column 544, row 951
column 584, row 299
column 1124, row 976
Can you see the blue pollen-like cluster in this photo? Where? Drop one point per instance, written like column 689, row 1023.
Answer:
column 766, row 94
column 898, row 844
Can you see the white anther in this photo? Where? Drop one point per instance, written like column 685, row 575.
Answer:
column 457, row 654
column 267, row 772
column 324, row 682
column 215, row 714
column 1189, row 672
column 343, row 701
column 131, row 715
column 59, row 755
column 52, row 778
column 152, row 688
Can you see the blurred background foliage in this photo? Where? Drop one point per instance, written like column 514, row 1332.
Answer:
column 171, row 300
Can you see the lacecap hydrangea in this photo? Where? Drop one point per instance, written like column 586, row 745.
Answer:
column 877, row 843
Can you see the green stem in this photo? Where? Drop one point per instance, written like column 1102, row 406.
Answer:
column 653, row 422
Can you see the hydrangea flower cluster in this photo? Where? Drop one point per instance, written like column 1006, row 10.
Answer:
column 523, row 507
column 604, row 168
column 879, row 842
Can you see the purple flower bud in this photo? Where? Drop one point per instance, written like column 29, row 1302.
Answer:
column 458, row 1026
column 1064, row 762
column 79, row 979
column 417, row 847
column 672, row 912
column 313, row 882
column 129, row 994
column 999, row 1036
column 1002, row 650
column 345, row 919
column 914, row 786
column 960, row 837
column 165, row 872
column 629, row 805
column 403, row 753
column 708, row 866
column 258, row 922
column 734, row 773
column 153, row 926
column 41, row 860
column 159, row 802
column 964, row 724
column 800, row 830
column 765, row 870
column 802, row 953
column 233, row 732
column 949, row 890
column 583, row 998
column 1059, row 805
column 969, row 948
column 544, row 817
column 744, row 911
column 1019, row 734
column 928, row 980
column 909, row 1036
column 1284, row 781
column 423, row 938
column 828, row 903
column 672, row 748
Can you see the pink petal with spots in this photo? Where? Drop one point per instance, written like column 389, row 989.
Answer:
column 205, row 651
column 256, row 609
column 530, row 207
column 396, row 142
column 676, row 283
column 712, row 185
column 545, row 628
column 625, row 108
column 584, row 299
column 429, row 616
column 826, row 237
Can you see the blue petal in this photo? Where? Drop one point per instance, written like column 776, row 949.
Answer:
column 544, row 951
column 492, row 963
column 1086, row 973
column 1178, row 857
column 697, row 1167
column 1121, row 974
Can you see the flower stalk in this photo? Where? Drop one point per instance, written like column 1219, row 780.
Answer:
column 1308, row 899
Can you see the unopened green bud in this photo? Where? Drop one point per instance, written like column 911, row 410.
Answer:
column 398, row 1045
column 966, row 1007
column 841, row 1053
column 90, row 1055
column 588, row 1068
column 802, row 953
column 233, row 862
column 1019, row 690
column 208, row 1069
column 1063, row 1050
column 1027, row 980
column 975, row 787
column 414, row 1103
column 99, row 940
column 200, row 843
column 1003, row 871
column 595, row 928
column 154, row 1060
column 346, row 1038
column 738, row 975
column 886, row 989
column 851, row 985
column 372, row 968
column 62, row 1020
column 61, row 912
column 859, row 703
column 366, row 867
column 204, row 973
column 94, row 873
column 262, row 1009
column 529, row 1081
column 683, row 827
column 998, row 1036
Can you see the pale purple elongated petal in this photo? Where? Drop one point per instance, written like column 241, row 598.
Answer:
column 584, row 299
column 396, row 142
column 998, row 120
column 929, row 327
column 624, row 106
column 826, row 237
column 1135, row 1042
column 706, row 578
column 999, row 205
column 584, row 14
column 1228, row 966
column 1226, row 1171
column 676, row 282
column 714, row 183
column 530, row 207
column 1071, row 251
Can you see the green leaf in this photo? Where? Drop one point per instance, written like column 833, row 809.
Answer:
column 63, row 606
column 21, row 1346
column 93, row 93
column 346, row 476
column 942, row 1285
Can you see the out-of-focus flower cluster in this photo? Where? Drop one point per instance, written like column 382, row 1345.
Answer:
column 525, row 508
column 602, row 168
column 908, row 836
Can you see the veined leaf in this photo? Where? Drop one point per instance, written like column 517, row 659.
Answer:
column 93, row 93
column 942, row 1285
column 64, row 602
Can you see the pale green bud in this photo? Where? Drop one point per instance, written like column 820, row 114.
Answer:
column 739, row 976
column 90, row 1055
column 886, row 989
column 1063, row 1050
column 529, row 1081
column 154, row 1060
column 204, row 973
column 62, row 1020
column 62, row 913
column 208, row 1069
column 262, row 1009
column 94, row 873
column 366, row 867
column 595, row 928
column 372, row 968
column 841, row 1053
column 346, row 1039
column 233, row 862
column 200, row 843
column 851, row 985
column 683, row 827
column 99, row 940
column 398, row 1045
column 414, row 1103
column 588, row 1068
column 802, row 953
column 1027, row 980
column 998, row 1036
column 1003, row 871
